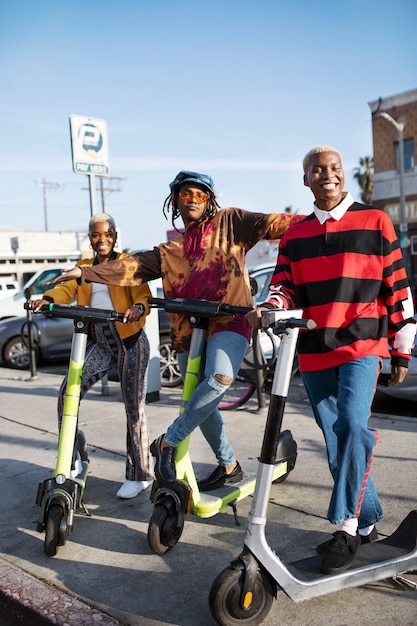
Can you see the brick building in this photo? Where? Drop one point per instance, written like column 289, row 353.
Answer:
column 402, row 108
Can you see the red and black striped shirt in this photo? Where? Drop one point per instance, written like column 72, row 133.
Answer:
column 348, row 276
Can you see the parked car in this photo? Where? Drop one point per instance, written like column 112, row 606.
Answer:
column 407, row 390
column 8, row 288
column 12, row 304
column 52, row 338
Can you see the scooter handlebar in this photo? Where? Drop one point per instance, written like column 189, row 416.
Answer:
column 202, row 308
column 77, row 312
column 281, row 319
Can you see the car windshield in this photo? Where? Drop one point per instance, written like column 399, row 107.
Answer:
column 38, row 285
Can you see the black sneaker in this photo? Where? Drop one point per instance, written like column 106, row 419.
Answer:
column 323, row 548
column 341, row 552
column 218, row 478
column 164, row 460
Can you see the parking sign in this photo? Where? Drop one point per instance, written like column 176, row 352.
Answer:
column 89, row 145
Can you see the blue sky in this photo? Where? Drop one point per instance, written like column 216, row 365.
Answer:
column 239, row 89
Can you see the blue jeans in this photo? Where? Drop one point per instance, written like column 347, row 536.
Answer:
column 341, row 398
column 224, row 354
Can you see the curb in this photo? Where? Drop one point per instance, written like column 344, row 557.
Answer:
column 27, row 601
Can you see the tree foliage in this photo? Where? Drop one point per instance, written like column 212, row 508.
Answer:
column 364, row 175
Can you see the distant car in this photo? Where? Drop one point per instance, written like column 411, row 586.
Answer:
column 53, row 335
column 12, row 304
column 8, row 288
column 262, row 274
column 407, row 390
column 52, row 339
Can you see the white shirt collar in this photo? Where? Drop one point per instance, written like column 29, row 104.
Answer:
column 337, row 213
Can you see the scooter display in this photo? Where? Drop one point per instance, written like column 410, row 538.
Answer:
column 243, row 593
column 59, row 497
column 172, row 501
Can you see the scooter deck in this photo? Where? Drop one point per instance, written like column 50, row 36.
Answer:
column 212, row 502
column 397, row 546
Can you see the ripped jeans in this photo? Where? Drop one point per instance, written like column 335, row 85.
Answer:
column 224, row 354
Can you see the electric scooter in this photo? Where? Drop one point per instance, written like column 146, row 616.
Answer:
column 171, row 501
column 243, row 593
column 59, row 497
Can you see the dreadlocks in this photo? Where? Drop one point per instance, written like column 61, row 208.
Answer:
column 171, row 204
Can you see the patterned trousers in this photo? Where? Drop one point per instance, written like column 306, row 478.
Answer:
column 105, row 350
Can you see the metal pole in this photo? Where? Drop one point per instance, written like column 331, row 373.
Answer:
column 103, row 202
column 92, row 188
column 403, row 207
column 45, row 208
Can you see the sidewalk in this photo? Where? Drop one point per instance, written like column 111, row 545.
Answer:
column 106, row 573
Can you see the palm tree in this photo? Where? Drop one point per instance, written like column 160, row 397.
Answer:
column 364, row 176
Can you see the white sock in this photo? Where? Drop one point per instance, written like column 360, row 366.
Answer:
column 349, row 526
column 364, row 532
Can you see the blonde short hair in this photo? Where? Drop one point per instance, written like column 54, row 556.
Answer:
column 318, row 150
column 99, row 218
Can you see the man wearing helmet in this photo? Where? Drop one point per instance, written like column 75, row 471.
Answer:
column 206, row 261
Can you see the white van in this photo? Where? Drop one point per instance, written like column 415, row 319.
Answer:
column 12, row 305
column 8, row 288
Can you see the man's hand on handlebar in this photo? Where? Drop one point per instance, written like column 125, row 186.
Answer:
column 71, row 274
column 254, row 317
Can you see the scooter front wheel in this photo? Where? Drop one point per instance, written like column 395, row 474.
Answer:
column 225, row 599
column 165, row 529
column 55, row 530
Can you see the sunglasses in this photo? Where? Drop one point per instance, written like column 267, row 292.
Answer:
column 200, row 196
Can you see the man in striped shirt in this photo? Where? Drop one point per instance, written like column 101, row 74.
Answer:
column 343, row 266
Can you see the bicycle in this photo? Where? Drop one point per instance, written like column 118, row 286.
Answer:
column 256, row 372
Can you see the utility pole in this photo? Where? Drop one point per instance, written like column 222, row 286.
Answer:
column 46, row 184
column 111, row 187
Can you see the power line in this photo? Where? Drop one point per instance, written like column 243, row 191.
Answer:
column 111, row 187
column 46, row 184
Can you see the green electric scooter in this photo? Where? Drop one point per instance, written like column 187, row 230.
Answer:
column 171, row 501
column 60, row 496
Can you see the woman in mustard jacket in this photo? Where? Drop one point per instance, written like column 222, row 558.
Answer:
column 124, row 345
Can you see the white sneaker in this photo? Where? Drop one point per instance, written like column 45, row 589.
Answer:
column 78, row 467
column 131, row 488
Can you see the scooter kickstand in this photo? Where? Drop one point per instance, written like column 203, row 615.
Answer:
column 234, row 507
column 86, row 511
column 402, row 580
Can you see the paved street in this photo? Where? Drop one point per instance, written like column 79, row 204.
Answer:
column 106, row 573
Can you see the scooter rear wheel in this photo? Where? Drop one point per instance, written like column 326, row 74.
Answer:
column 225, row 599
column 164, row 530
column 54, row 530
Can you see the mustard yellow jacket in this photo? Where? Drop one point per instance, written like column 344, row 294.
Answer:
column 121, row 297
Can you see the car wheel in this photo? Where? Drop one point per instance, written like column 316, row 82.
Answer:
column 169, row 368
column 16, row 355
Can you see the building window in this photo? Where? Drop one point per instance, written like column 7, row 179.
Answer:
column 408, row 155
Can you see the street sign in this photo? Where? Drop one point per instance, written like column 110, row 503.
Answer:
column 89, row 144
column 14, row 243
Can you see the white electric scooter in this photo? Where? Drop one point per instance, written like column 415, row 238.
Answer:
column 243, row 593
